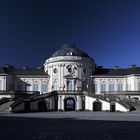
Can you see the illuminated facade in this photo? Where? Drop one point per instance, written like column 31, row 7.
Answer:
column 70, row 80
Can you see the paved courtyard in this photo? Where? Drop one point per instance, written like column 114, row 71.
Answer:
column 70, row 126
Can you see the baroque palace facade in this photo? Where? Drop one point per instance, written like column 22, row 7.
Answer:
column 69, row 80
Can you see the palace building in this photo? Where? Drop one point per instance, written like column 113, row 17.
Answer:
column 69, row 80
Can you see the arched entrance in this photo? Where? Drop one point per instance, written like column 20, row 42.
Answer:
column 97, row 106
column 69, row 104
column 112, row 107
column 27, row 106
column 42, row 106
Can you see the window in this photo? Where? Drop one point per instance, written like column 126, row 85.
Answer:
column 54, row 70
column 139, row 86
column 55, row 85
column 69, row 68
column 0, row 84
column 70, row 85
column 84, row 70
column 103, row 87
column 111, row 87
column 96, row 88
column 35, row 86
column 128, row 87
column 44, row 88
column 119, row 87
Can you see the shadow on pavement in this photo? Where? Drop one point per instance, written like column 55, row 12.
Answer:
column 17, row 128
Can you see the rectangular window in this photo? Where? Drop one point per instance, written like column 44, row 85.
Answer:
column 139, row 86
column 35, row 87
column 111, row 87
column 96, row 88
column 129, row 87
column 44, row 88
column 119, row 87
column 0, row 84
column 103, row 87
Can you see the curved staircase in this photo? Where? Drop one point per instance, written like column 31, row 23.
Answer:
column 5, row 104
column 112, row 99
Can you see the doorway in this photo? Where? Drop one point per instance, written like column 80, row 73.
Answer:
column 42, row 106
column 69, row 104
column 27, row 106
column 112, row 107
column 97, row 106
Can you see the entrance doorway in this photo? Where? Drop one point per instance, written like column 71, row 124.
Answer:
column 69, row 104
column 42, row 106
column 27, row 106
column 97, row 106
column 112, row 107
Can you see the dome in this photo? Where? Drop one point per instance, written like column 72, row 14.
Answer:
column 71, row 50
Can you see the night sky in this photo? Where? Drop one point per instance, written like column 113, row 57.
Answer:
column 31, row 30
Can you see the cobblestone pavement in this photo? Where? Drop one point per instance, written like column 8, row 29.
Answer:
column 70, row 126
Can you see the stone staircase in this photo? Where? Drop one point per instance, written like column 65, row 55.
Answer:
column 111, row 99
column 5, row 107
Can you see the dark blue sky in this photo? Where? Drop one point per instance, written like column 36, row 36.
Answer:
column 108, row 30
